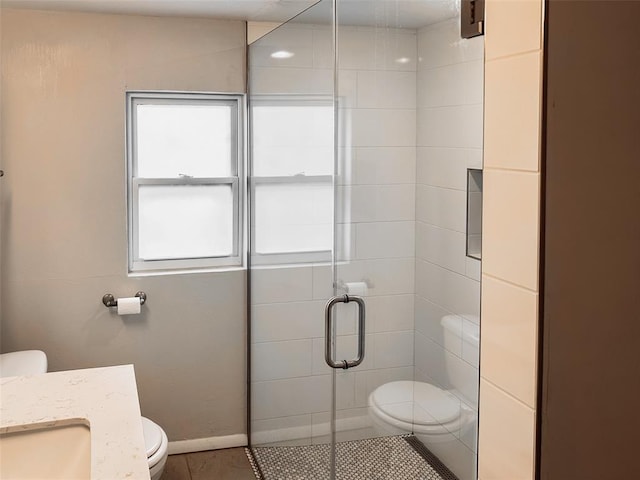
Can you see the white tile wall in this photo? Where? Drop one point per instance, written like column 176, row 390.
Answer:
column 517, row 27
column 446, row 167
column 511, row 247
column 513, row 114
column 351, row 424
column 281, row 429
column 391, row 276
column 457, row 126
column 379, row 89
column 429, row 362
column 440, row 45
column 286, row 321
column 347, row 347
column 281, row 285
column 441, row 246
column 290, row 397
column 385, row 240
column 355, row 52
column 392, row 45
column 452, row 291
column 473, row 268
column 510, row 331
column 384, row 165
column 322, row 282
column 451, row 85
column 390, row 313
column 511, row 220
column 427, row 321
column 441, row 207
column 507, row 436
column 322, row 47
column 295, row 39
column 457, row 456
column 364, row 48
column 382, row 127
column 276, row 360
column 299, row 80
column 377, row 203
column 449, row 139
column 393, row 349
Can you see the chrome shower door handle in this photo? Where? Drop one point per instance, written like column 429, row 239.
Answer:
column 329, row 346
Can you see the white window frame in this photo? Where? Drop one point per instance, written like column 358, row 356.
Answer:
column 237, row 101
column 317, row 256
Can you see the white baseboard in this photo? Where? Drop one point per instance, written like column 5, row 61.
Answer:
column 210, row 443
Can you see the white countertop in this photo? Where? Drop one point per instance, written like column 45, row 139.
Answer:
column 106, row 399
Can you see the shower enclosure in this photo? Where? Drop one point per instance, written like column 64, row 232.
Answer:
column 365, row 117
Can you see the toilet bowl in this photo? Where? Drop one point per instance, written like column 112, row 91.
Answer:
column 34, row 362
column 435, row 414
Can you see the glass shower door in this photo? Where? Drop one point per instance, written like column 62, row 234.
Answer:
column 409, row 99
column 375, row 234
column 291, row 185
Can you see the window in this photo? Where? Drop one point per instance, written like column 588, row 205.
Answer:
column 292, row 178
column 184, row 188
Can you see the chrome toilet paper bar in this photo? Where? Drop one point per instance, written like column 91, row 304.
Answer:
column 110, row 301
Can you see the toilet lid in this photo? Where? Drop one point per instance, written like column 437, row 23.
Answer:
column 416, row 402
column 152, row 436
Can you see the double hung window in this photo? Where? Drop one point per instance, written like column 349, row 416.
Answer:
column 292, row 189
column 185, row 190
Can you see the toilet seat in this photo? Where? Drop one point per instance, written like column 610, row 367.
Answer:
column 418, row 407
column 152, row 436
column 156, row 444
column 416, row 402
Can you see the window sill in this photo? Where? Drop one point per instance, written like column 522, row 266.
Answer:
column 187, row 271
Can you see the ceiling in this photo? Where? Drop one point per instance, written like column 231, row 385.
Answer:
column 384, row 13
column 393, row 13
column 255, row 10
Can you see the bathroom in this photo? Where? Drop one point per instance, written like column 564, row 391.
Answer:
column 401, row 208
column 227, row 356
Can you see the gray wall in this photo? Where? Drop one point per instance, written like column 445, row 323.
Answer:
column 64, row 212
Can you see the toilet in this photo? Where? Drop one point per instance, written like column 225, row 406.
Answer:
column 156, row 443
column 27, row 362
column 434, row 414
column 34, row 362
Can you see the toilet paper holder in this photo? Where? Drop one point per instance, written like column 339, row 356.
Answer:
column 110, row 301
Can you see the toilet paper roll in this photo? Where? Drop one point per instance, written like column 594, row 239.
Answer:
column 128, row 306
column 356, row 288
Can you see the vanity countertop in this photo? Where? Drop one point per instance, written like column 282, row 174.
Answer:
column 105, row 399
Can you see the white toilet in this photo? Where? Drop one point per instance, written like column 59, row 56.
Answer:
column 34, row 362
column 424, row 409
column 156, row 443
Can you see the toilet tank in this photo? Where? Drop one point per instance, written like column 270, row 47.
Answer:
column 462, row 339
column 26, row 362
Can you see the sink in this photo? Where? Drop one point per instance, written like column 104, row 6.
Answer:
column 31, row 452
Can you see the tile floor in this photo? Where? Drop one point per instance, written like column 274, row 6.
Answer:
column 228, row 464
